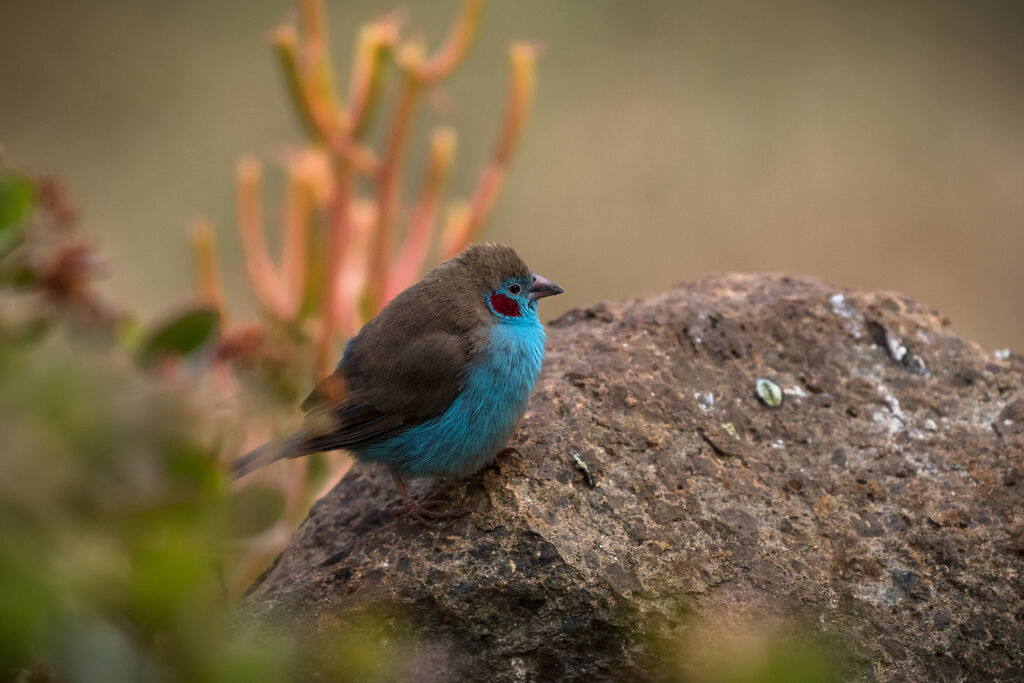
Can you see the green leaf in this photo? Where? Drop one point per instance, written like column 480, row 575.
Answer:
column 180, row 335
column 17, row 197
column 129, row 333
column 18, row 275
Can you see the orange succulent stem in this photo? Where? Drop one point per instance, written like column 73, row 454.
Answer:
column 522, row 60
column 317, row 57
column 262, row 274
column 311, row 14
column 456, row 226
column 309, row 86
column 323, row 121
column 413, row 253
column 204, row 251
column 375, row 43
column 455, row 47
column 353, row 308
column 285, row 40
column 337, row 242
column 388, row 188
column 297, row 206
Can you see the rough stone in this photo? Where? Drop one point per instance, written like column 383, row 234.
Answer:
column 839, row 510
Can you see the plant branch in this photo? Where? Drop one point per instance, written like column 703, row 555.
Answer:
column 376, row 41
column 204, row 253
column 413, row 253
column 410, row 57
column 337, row 241
column 522, row 63
column 298, row 202
column 456, row 45
column 263, row 276
column 316, row 55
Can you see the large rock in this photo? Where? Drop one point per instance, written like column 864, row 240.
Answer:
column 881, row 504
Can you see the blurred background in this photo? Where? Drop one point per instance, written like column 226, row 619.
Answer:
column 874, row 145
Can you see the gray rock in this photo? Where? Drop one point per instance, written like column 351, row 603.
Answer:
column 839, row 511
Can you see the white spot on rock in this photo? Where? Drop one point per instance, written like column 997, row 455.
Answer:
column 851, row 317
column 797, row 391
column 705, row 400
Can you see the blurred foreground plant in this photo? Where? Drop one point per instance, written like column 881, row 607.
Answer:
column 113, row 513
column 116, row 521
column 741, row 645
column 349, row 238
column 122, row 546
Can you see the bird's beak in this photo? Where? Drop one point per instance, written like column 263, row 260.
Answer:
column 542, row 287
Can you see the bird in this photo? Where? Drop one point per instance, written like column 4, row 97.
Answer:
column 436, row 382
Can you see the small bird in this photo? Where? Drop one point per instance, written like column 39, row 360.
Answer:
column 436, row 382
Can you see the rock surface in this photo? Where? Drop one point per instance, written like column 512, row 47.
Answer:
column 882, row 504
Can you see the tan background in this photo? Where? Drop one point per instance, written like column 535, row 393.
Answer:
column 876, row 145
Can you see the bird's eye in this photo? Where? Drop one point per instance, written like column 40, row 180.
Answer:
column 515, row 289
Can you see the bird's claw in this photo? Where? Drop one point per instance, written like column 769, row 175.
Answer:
column 509, row 450
column 431, row 510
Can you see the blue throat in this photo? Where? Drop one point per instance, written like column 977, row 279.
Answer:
column 467, row 436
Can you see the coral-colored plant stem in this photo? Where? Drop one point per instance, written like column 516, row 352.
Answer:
column 337, row 241
column 204, row 251
column 376, row 41
column 262, row 275
column 285, row 40
column 522, row 61
column 410, row 259
column 316, row 55
column 455, row 47
column 296, row 216
column 388, row 188
column 318, row 112
column 352, row 309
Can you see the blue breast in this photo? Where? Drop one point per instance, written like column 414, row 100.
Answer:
column 467, row 436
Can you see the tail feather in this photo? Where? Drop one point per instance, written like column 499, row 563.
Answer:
column 272, row 451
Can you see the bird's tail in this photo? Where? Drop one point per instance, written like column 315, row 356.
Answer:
column 272, row 451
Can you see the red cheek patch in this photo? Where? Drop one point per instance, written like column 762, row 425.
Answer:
column 504, row 305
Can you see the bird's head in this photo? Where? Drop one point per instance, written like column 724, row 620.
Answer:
column 508, row 287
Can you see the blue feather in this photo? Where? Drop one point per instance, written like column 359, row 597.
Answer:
column 467, row 436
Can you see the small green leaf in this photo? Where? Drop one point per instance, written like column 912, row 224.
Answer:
column 17, row 197
column 18, row 275
column 180, row 335
column 129, row 333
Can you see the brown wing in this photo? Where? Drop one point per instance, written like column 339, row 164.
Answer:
column 405, row 366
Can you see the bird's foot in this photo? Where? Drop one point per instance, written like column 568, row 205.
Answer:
column 509, row 450
column 431, row 510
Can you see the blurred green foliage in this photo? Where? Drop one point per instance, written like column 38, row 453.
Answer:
column 118, row 529
column 16, row 198
column 751, row 648
column 180, row 335
column 114, row 516
column 110, row 520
